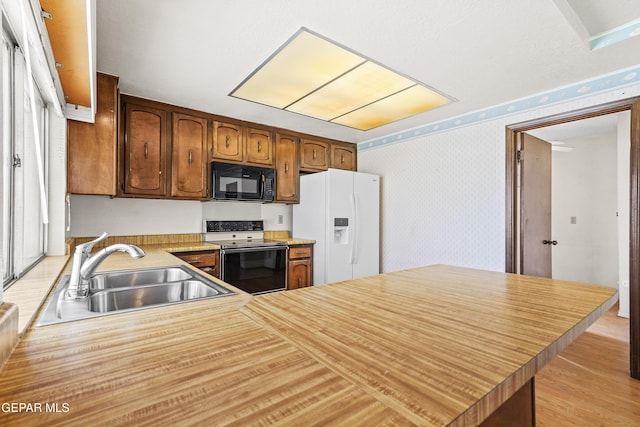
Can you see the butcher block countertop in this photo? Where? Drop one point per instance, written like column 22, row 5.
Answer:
column 436, row 345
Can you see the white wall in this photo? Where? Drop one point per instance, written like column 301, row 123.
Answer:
column 623, row 148
column 443, row 194
column 92, row 215
column 585, row 189
column 57, row 176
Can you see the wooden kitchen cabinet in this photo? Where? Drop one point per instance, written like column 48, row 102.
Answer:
column 259, row 145
column 145, row 149
column 242, row 144
column 287, row 169
column 228, row 142
column 314, row 155
column 207, row 261
column 343, row 156
column 92, row 147
column 189, row 156
column 300, row 267
column 164, row 151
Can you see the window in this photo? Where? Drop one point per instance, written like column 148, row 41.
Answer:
column 23, row 230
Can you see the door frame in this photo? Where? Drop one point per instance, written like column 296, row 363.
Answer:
column 511, row 249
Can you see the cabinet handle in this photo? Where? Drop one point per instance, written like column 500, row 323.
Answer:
column 259, row 146
column 190, row 156
column 146, row 150
column 227, row 140
column 314, row 154
column 342, row 158
column 286, row 167
column 299, row 281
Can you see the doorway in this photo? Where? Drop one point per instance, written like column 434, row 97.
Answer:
column 590, row 198
column 513, row 245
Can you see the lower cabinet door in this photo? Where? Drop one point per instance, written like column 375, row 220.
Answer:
column 299, row 273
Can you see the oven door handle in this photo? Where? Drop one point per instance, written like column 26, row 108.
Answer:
column 252, row 249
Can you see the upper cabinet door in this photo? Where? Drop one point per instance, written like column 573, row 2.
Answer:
column 145, row 148
column 343, row 156
column 189, row 156
column 259, row 147
column 314, row 155
column 287, row 172
column 91, row 147
column 227, row 142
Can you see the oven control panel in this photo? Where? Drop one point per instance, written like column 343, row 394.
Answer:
column 230, row 226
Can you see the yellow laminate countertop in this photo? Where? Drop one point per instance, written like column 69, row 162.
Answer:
column 436, row 345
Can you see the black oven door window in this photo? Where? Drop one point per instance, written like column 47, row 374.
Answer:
column 255, row 271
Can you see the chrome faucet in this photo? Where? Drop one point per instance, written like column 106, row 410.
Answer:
column 84, row 265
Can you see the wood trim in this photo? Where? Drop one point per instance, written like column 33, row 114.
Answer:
column 634, row 241
column 632, row 104
column 510, row 200
column 147, row 239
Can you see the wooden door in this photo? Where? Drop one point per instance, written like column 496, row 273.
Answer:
column 287, row 173
column 259, row 147
column 91, row 147
column 314, row 155
column 145, row 150
column 228, row 143
column 189, row 157
column 535, row 206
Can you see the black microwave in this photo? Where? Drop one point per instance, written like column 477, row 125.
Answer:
column 240, row 182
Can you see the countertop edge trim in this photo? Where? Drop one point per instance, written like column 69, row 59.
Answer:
column 480, row 411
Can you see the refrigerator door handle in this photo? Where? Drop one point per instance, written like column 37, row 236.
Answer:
column 354, row 225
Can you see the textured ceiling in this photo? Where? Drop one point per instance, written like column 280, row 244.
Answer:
column 194, row 52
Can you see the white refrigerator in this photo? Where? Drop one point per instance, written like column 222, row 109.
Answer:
column 339, row 209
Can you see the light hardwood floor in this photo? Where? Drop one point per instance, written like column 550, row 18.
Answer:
column 588, row 384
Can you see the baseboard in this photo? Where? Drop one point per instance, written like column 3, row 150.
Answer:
column 623, row 313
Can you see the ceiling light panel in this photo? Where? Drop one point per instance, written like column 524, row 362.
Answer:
column 313, row 76
column 363, row 85
column 414, row 100
column 301, row 66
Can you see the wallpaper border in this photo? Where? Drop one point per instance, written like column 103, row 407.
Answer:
column 607, row 82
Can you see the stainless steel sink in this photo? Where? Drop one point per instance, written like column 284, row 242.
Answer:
column 141, row 296
column 120, row 279
column 126, row 290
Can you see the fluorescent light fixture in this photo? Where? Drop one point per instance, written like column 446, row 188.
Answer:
column 316, row 77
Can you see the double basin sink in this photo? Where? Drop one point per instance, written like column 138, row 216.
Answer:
column 125, row 290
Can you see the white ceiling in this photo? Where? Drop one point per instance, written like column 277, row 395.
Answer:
column 194, row 52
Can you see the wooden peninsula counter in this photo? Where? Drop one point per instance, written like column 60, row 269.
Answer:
column 436, row 345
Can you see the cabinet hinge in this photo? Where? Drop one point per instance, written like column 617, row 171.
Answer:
column 17, row 161
column 520, row 155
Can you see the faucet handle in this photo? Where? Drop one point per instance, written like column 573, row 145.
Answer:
column 86, row 247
